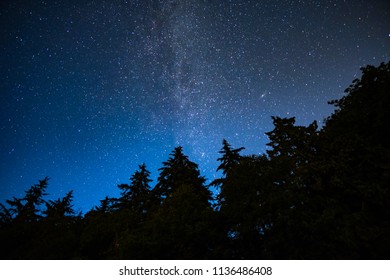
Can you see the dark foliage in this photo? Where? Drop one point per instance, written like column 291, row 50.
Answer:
column 316, row 194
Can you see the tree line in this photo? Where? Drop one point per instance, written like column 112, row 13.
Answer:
column 317, row 193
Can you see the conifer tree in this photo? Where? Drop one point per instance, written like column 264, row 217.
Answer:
column 178, row 170
column 26, row 209
column 59, row 208
column 136, row 196
column 229, row 159
column 181, row 226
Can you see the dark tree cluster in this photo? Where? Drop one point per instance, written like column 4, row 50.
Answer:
column 315, row 194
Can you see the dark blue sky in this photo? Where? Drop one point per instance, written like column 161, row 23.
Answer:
column 91, row 89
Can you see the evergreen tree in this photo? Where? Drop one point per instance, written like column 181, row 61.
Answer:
column 229, row 159
column 178, row 170
column 232, row 204
column 242, row 207
column 355, row 173
column 284, row 194
column 290, row 141
column 60, row 231
column 32, row 232
column 181, row 228
column 59, row 208
column 27, row 209
column 136, row 196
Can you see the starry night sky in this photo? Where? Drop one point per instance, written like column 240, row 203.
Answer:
column 91, row 89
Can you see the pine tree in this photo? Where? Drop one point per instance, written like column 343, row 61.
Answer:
column 180, row 228
column 229, row 159
column 136, row 196
column 178, row 170
column 59, row 208
column 26, row 209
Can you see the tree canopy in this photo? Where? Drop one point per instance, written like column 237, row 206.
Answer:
column 317, row 193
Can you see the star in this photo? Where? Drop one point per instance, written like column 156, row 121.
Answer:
column 91, row 90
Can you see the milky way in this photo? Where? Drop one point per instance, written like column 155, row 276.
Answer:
column 90, row 90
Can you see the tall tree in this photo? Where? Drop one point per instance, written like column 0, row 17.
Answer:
column 235, row 203
column 59, row 208
column 284, row 194
column 291, row 141
column 178, row 170
column 136, row 196
column 27, row 209
column 355, row 173
column 229, row 159
column 181, row 226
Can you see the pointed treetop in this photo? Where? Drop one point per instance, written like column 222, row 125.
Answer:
column 229, row 158
column 178, row 170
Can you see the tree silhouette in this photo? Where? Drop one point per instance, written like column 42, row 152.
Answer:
column 27, row 209
column 356, row 155
column 136, row 196
column 230, row 157
column 34, row 232
column 315, row 194
column 178, row 170
column 179, row 226
column 59, row 208
column 182, row 227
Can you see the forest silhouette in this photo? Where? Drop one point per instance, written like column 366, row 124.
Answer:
column 317, row 193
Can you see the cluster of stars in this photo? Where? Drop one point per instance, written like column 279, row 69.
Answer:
column 90, row 90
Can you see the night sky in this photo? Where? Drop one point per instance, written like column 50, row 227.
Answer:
column 91, row 89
